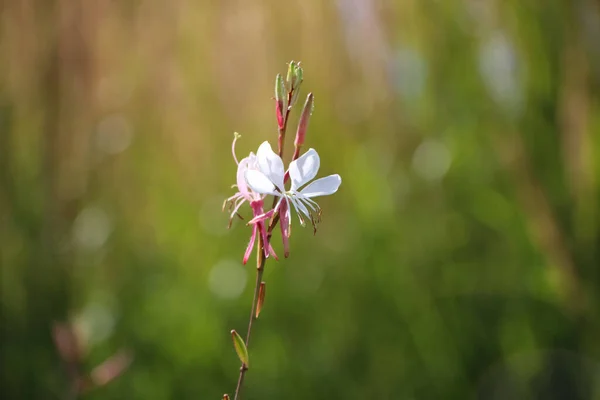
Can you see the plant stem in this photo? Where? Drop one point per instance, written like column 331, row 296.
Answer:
column 260, row 268
column 261, row 259
column 281, row 138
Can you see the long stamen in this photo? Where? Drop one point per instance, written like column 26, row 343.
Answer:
column 237, row 206
column 308, row 200
column 302, row 206
column 315, row 216
column 236, row 136
column 310, row 203
column 297, row 212
column 229, row 202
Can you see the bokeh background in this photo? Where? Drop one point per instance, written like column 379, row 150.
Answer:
column 459, row 260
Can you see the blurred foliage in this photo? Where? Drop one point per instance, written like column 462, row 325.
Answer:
column 460, row 258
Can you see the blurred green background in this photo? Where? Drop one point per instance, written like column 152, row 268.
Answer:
column 460, row 258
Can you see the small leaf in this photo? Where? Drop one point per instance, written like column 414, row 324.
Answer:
column 261, row 298
column 240, row 347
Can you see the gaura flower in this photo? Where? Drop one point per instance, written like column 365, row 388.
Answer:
column 269, row 178
column 255, row 199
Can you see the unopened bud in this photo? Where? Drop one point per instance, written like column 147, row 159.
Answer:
column 294, row 99
column 294, row 76
column 280, row 92
column 299, row 76
column 280, row 100
column 225, row 396
column 304, row 118
column 290, row 73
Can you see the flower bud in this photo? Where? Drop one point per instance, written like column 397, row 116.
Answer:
column 290, row 73
column 294, row 76
column 304, row 118
column 280, row 100
column 295, row 95
column 299, row 76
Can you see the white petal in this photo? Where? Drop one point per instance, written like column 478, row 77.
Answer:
column 252, row 162
column 323, row 187
column 270, row 164
column 241, row 177
column 259, row 182
column 304, row 169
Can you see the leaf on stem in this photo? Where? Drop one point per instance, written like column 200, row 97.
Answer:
column 261, row 298
column 240, row 347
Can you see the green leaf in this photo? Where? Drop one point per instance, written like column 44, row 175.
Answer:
column 240, row 347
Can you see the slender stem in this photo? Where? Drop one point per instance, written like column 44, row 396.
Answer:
column 261, row 260
column 260, row 268
column 281, row 139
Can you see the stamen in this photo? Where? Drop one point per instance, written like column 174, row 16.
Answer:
column 236, row 136
column 296, row 207
column 309, row 200
column 310, row 203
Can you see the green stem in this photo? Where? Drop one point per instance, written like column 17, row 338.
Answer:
column 260, row 268
column 261, row 260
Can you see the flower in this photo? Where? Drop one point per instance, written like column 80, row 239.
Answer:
column 255, row 199
column 269, row 178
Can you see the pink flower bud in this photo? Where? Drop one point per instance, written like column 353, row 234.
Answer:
column 304, row 118
column 294, row 76
column 280, row 101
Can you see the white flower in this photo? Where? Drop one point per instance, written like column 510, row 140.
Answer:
column 246, row 194
column 270, row 177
